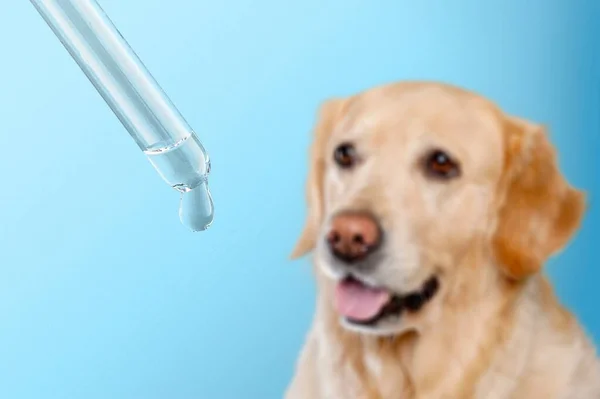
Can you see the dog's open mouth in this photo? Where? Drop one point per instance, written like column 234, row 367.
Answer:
column 361, row 304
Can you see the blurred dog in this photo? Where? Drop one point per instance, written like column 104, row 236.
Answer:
column 431, row 214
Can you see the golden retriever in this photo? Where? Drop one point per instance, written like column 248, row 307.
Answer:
column 431, row 213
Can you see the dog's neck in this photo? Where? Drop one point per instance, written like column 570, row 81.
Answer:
column 459, row 344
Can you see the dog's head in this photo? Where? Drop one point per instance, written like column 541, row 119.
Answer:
column 407, row 180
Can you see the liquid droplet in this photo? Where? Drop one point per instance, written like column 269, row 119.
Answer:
column 196, row 210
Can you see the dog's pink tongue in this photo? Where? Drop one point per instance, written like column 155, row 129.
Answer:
column 356, row 301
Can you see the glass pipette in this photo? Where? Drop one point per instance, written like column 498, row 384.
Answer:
column 137, row 100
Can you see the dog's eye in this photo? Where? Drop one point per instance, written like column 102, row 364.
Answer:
column 345, row 155
column 439, row 164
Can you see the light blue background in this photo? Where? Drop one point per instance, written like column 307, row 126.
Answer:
column 103, row 294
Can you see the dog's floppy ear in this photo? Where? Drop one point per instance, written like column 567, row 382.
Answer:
column 540, row 211
column 329, row 114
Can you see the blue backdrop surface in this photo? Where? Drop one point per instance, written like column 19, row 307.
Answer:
column 103, row 294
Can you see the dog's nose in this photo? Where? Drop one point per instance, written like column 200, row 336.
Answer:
column 353, row 236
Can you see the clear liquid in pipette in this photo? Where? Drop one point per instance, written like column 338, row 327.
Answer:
column 185, row 166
